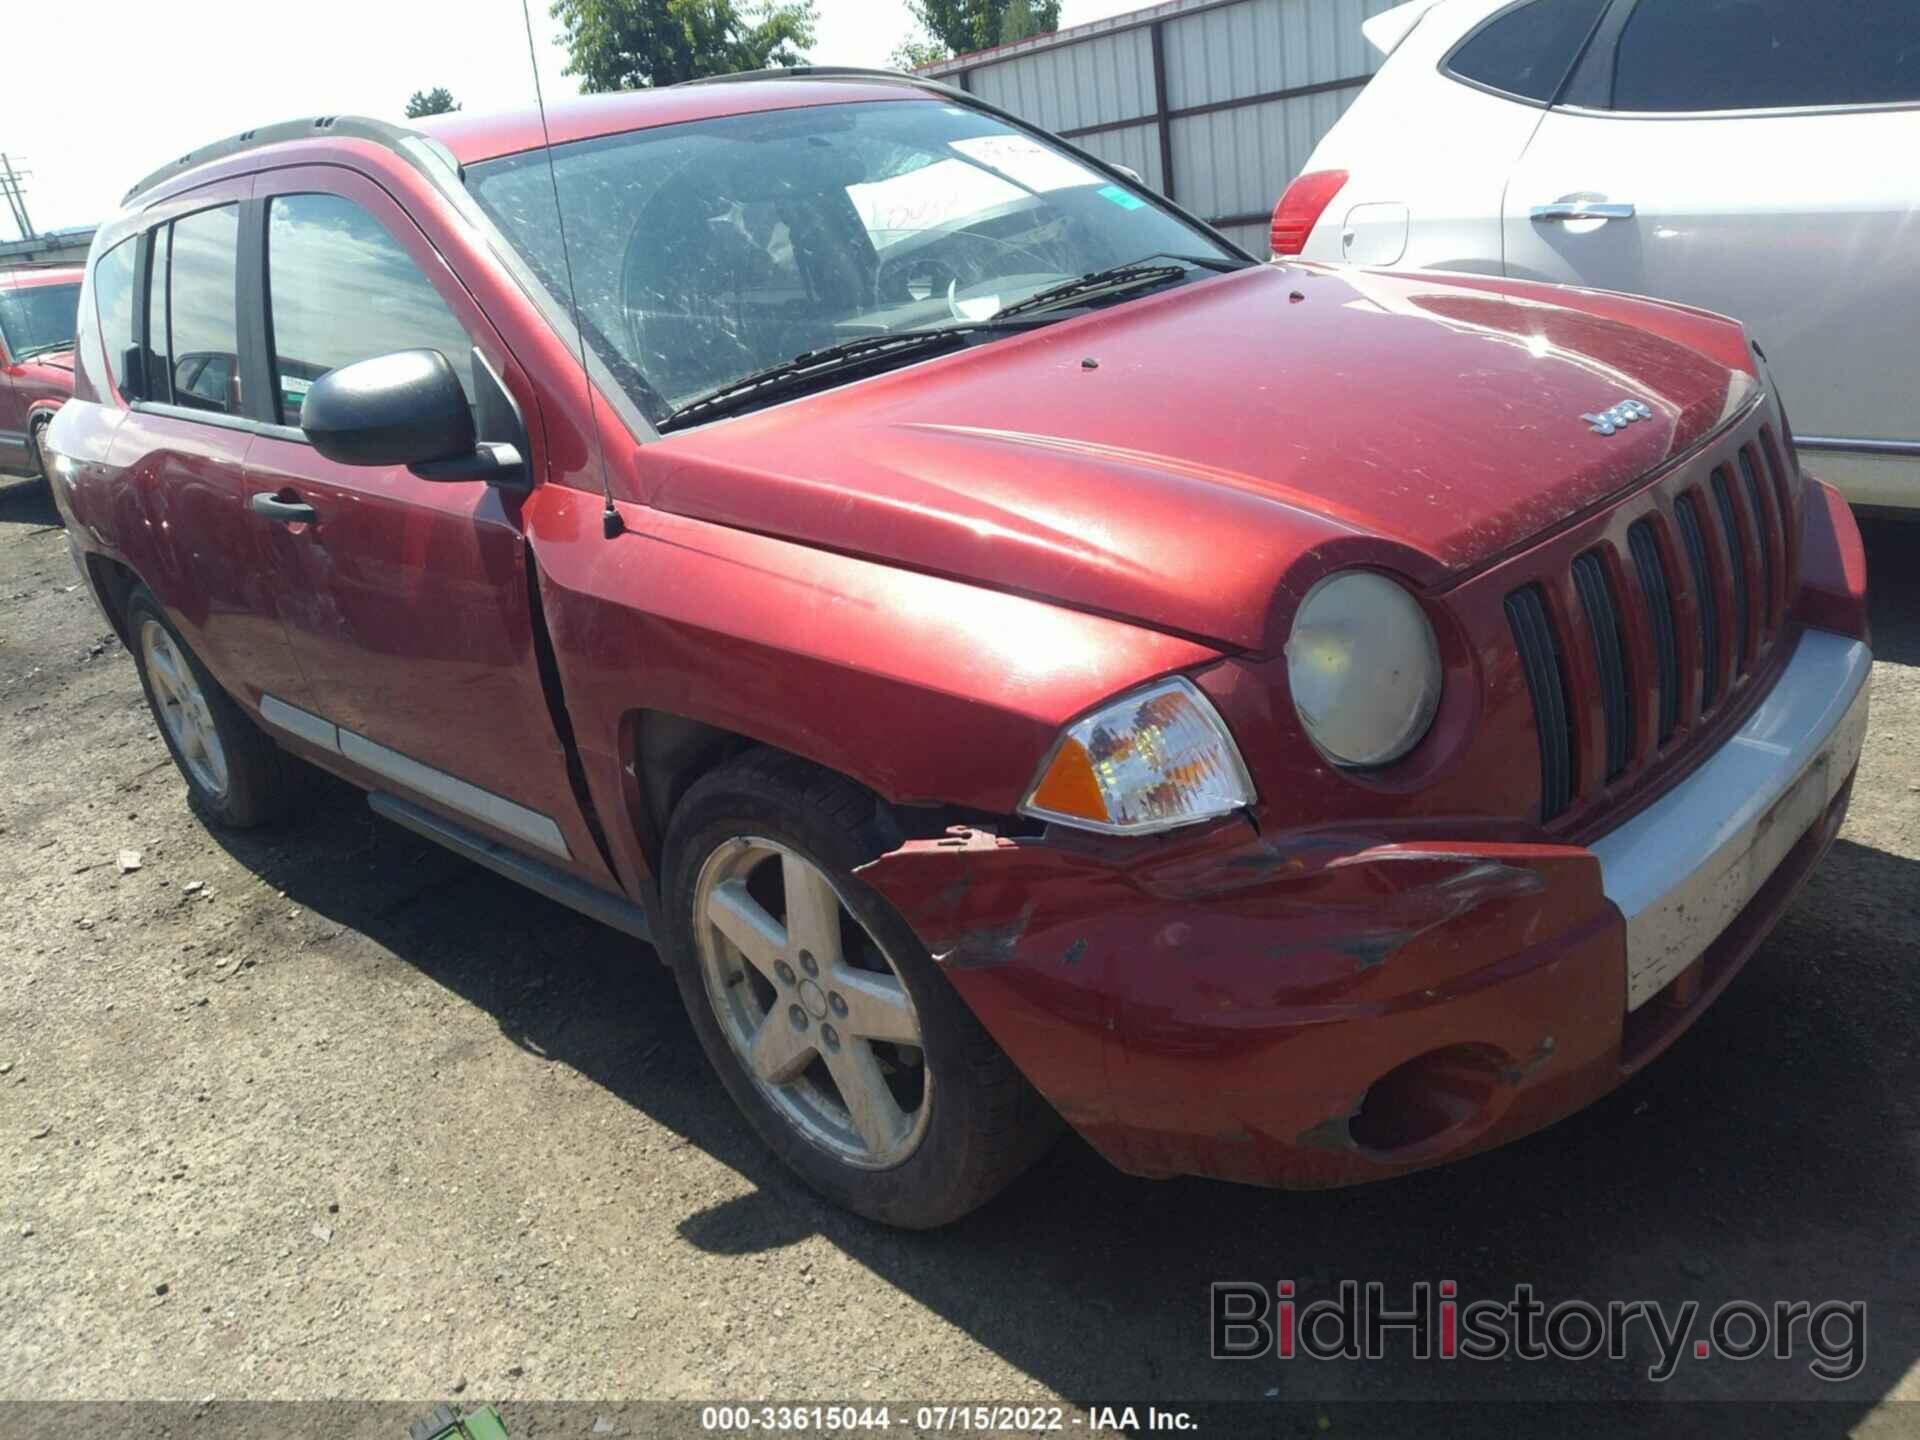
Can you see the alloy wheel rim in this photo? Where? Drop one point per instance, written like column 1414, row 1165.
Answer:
column 183, row 708
column 811, row 1004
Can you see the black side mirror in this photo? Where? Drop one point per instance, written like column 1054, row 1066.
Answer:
column 406, row 408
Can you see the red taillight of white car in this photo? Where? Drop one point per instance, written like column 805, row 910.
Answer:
column 1300, row 208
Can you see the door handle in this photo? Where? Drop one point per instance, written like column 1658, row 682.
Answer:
column 1581, row 210
column 285, row 512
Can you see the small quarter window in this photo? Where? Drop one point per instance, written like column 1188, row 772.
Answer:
column 340, row 290
column 113, row 301
column 154, row 347
column 1528, row 50
column 1767, row 55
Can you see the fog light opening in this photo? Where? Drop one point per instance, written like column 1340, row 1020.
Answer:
column 1444, row 1092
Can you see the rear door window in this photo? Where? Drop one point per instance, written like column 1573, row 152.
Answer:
column 203, row 324
column 1767, row 55
column 341, row 289
column 1527, row 50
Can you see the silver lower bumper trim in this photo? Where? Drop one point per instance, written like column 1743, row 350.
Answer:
column 1684, row 867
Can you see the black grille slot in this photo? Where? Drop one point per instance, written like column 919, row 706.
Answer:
column 1764, row 531
column 1653, row 585
column 1540, row 660
column 1603, row 623
column 1770, row 453
column 1737, row 564
column 1704, row 600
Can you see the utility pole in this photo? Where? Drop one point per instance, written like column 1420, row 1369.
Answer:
column 16, row 200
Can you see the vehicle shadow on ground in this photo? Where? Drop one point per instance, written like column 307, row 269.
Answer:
column 1893, row 587
column 27, row 503
column 1763, row 1157
column 1770, row 1155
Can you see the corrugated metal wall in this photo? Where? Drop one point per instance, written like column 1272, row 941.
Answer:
column 1216, row 103
column 1069, row 87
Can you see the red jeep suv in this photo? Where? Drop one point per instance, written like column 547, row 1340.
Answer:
column 1017, row 657
column 38, row 307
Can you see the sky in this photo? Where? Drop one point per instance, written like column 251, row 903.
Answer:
column 151, row 82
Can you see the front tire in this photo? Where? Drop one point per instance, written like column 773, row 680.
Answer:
column 831, row 1027
column 236, row 777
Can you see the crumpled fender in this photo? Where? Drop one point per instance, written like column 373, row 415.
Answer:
column 1217, row 1001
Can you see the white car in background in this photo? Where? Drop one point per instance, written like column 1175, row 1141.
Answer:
column 1759, row 158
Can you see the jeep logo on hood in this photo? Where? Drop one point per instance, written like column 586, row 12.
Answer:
column 1605, row 422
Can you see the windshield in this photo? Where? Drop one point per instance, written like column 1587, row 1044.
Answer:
column 39, row 317
column 709, row 251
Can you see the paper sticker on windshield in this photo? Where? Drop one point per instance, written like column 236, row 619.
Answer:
column 1124, row 199
column 1025, row 162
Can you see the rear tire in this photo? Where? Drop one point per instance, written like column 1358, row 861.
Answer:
column 941, row 1121
column 36, row 452
column 236, row 777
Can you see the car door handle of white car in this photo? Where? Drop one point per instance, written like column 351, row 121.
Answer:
column 1582, row 210
column 287, row 512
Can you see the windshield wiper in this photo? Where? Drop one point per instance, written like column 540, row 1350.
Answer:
column 1094, row 282
column 1223, row 263
column 1131, row 276
column 32, row 350
column 812, row 366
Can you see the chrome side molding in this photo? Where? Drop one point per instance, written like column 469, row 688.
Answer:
column 449, row 790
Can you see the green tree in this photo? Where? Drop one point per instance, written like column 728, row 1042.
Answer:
column 912, row 53
column 631, row 44
column 437, row 101
column 962, row 25
column 1018, row 21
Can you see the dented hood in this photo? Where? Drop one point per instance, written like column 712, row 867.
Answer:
column 1192, row 459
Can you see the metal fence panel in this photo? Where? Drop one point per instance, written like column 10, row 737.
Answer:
column 1254, row 239
column 1236, row 162
column 1089, row 82
column 1262, row 46
column 1137, row 147
column 1247, row 89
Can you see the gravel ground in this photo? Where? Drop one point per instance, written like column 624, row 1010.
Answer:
column 325, row 1112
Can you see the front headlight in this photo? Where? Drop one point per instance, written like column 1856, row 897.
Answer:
column 1364, row 668
column 1152, row 760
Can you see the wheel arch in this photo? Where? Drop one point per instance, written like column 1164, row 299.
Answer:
column 683, row 643
column 668, row 754
column 112, row 581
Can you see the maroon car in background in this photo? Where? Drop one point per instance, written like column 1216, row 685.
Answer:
column 1019, row 657
column 38, row 310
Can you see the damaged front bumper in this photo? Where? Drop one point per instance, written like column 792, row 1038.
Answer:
column 1325, row 1008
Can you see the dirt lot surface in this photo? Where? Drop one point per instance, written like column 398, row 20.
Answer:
column 325, row 1112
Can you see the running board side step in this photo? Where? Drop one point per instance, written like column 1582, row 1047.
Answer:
column 596, row 904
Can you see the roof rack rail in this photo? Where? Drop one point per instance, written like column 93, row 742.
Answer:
column 825, row 72
column 358, row 127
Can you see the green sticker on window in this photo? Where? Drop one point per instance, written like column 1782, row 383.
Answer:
column 1124, row 199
